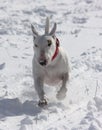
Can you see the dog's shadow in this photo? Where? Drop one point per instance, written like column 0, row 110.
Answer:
column 13, row 107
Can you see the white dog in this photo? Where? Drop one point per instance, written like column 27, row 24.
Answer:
column 50, row 63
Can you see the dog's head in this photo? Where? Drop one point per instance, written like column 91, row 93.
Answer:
column 44, row 45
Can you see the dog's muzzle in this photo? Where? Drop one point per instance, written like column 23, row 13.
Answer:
column 42, row 59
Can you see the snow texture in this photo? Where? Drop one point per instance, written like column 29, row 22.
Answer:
column 79, row 29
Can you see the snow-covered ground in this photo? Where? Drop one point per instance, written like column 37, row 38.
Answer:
column 80, row 33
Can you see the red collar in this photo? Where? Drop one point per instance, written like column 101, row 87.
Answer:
column 57, row 49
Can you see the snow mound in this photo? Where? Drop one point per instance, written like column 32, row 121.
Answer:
column 93, row 117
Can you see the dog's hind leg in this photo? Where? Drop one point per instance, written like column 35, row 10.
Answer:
column 61, row 94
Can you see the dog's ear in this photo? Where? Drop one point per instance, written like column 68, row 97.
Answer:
column 35, row 33
column 47, row 26
column 52, row 33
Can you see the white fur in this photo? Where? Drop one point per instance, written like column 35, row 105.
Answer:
column 54, row 71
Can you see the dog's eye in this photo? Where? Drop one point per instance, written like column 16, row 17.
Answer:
column 36, row 45
column 49, row 42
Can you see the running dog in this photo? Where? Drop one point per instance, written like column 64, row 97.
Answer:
column 50, row 63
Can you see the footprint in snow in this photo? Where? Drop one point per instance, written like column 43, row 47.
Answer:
column 26, row 123
column 2, row 66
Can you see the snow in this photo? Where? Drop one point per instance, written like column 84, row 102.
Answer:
column 79, row 29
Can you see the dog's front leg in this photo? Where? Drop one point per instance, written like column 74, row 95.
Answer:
column 39, row 86
column 62, row 92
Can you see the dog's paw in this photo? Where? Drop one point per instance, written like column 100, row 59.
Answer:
column 42, row 103
column 61, row 94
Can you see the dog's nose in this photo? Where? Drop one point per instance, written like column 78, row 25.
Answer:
column 43, row 62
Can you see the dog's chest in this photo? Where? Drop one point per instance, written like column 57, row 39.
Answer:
column 52, row 77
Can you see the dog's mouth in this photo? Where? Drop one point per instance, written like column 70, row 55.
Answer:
column 43, row 62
